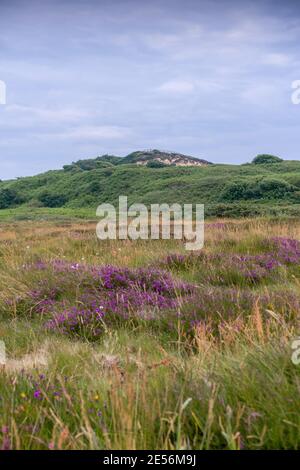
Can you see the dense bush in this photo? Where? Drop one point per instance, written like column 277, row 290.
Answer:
column 265, row 158
column 70, row 168
column 9, row 197
column 52, row 200
column 238, row 191
column 266, row 188
column 89, row 164
column 274, row 188
column 94, row 187
column 155, row 164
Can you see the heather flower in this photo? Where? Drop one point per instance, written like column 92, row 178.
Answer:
column 6, row 443
column 83, row 300
column 233, row 268
column 37, row 394
column 104, row 296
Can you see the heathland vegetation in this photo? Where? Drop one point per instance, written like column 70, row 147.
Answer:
column 137, row 344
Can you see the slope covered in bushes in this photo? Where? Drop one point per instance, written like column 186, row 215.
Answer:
column 233, row 190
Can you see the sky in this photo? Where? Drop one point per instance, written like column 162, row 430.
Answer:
column 211, row 79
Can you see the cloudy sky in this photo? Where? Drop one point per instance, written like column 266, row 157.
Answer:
column 207, row 78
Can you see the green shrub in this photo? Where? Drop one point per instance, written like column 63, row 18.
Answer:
column 266, row 188
column 265, row 158
column 52, row 200
column 274, row 188
column 155, row 164
column 8, row 198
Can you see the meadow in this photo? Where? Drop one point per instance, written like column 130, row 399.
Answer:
column 143, row 345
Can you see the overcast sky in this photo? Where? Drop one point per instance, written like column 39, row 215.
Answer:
column 208, row 79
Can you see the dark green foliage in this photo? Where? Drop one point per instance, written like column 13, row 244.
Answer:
column 266, row 188
column 9, row 198
column 265, row 159
column 155, row 164
column 72, row 167
column 105, row 161
column 236, row 191
column 52, row 200
column 109, row 159
column 275, row 188
column 94, row 187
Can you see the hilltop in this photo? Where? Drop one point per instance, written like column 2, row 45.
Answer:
column 268, row 186
column 151, row 158
column 158, row 158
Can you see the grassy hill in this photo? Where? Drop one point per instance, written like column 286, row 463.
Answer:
column 226, row 190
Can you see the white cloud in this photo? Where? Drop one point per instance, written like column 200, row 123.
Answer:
column 177, row 87
column 162, row 41
column 277, row 59
column 58, row 115
column 264, row 94
column 95, row 133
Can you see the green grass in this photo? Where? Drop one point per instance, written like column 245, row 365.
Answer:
column 54, row 214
